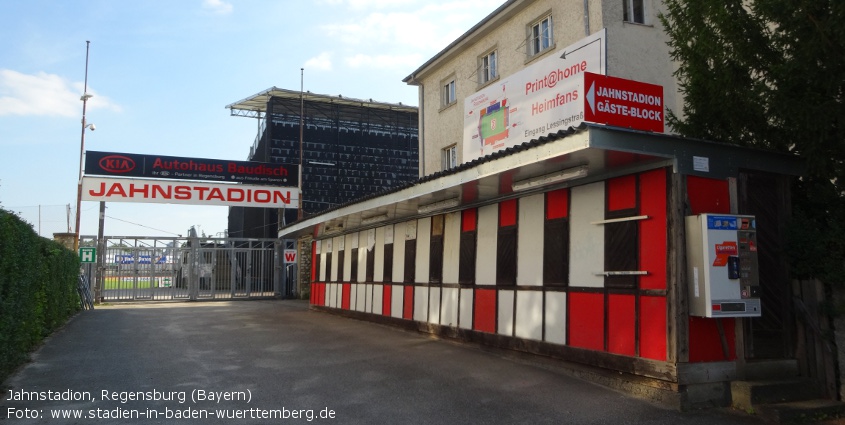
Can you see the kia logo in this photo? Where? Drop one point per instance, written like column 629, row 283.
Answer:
column 117, row 164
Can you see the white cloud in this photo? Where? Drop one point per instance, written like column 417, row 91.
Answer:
column 219, row 7
column 45, row 95
column 321, row 62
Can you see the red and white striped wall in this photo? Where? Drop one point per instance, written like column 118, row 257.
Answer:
column 584, row 267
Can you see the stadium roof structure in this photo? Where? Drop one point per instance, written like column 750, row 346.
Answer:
column 256, row 105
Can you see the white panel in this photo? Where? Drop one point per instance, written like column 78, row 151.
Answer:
column 322, row 276
column 529, row 244
column 420, row 303
column 362, row 258
column 449, row 307
column 529, row 315
column 378, row 299
column 465, row 311
column 586, row 241
column 331, row 296
column 423, row 258
column 335, row 248
column 378, row 273
column 318, row 247
column 434, row 305
column 410, row 230
column 388, row 233
column 353, row 295
column 369, row 305
column 360, row 297
column 556, row 317
column 451, row 247
column 399, row 258
column 505, row 312
column 397, row 293
column 485, row 257
column 350, row 244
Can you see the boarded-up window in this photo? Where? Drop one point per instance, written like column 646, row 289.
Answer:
column 556, row 239
column 371, row 265
column 329, row 267
column 435, row 270
column 506, row 244
column 354, row 265
column 388, row 262
column 340, row 255
column 410, row 260
column 466, row 262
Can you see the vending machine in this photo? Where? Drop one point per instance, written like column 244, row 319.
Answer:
column 722, row 269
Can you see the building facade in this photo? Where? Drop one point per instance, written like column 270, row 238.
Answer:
column 519, row 34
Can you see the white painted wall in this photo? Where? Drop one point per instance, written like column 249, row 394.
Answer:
column 529, row 245
column 451, row 247
column 586, row 240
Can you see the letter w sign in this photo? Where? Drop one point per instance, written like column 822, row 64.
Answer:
column 290, row 256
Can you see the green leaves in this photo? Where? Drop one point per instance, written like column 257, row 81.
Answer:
column 37, row 289
column 771, row 74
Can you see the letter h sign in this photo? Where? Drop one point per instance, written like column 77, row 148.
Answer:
column 87, row 255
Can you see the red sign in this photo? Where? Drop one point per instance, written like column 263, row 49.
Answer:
column 723, row 251
column 623, row 103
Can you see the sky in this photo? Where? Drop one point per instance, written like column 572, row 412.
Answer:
column 161, row 74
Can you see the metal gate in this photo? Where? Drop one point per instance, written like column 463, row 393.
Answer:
column 162, row 269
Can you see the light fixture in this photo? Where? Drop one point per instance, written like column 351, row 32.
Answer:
column 439, row 205
column 546, row 179
column 334, row 229
column 374, row 219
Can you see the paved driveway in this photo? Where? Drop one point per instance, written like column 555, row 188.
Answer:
column 251, row 361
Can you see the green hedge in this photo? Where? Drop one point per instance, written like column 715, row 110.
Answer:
column 37, row 289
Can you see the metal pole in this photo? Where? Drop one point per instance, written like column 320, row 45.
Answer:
column 101, row 255
column 85, row 97
column 301, row 124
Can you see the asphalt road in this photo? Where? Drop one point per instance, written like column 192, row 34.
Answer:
column 252, row 360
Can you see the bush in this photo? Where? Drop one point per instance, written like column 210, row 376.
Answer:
column 37, row 289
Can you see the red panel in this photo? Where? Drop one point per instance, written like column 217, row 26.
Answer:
column 484, row 317
column 506, row 183
column 616, row 159
column 705, row 344
column 557, row 204
column 586, row 320
column 386, row 299
column 653, row 327
column 622, row 193
column 653, row 231
column 322, row 295
column 507, row 213
column 347, row 295
column 408, row 303
column 469, row 219
column 621, row 324
column 708, row 195
column 314, row 270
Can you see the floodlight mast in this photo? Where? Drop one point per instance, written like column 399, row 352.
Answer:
column 84, row 99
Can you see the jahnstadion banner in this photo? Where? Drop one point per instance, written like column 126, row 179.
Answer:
column 186, row 192
column 115, row 164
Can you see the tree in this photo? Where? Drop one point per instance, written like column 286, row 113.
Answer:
column 771, row 74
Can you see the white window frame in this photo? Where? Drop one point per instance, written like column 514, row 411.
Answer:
column 541, row 36
column 630, row 6
column 450, row 157
column 448, row 92
column 488, row 67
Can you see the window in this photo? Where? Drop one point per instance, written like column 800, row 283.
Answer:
column 540, row 36
column 634, row 11
column 488, row 68
column 449, row 95
column 450, row 157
